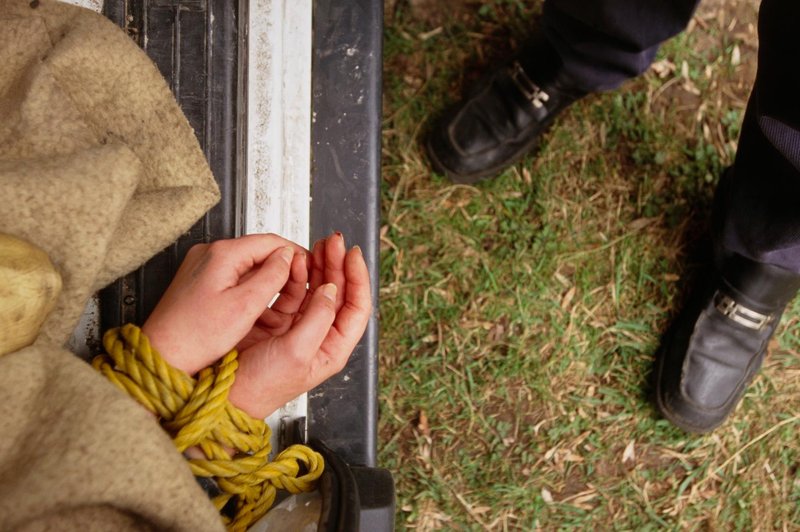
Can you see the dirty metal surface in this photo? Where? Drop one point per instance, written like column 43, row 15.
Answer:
column 195, row 46
column 345, row 143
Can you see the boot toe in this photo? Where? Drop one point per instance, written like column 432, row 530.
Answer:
column 718, row 344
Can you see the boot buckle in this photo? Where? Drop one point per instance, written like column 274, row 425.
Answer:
column 528, row 88
column 742, row 315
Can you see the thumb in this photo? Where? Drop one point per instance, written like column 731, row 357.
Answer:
column 308, row 333
column 262, row 283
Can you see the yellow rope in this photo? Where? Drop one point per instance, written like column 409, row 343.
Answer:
column 197, row 413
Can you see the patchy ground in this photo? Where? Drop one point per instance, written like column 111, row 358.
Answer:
column 520, row 317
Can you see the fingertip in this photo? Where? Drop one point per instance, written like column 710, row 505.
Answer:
column 299, row 269
column 355, row 253
column 287, row 254
column 316, row 320
column 336, row 239
column 299, row 261
column 359, row 288
column 335, row 251
column 329, row 291
column 355, row 264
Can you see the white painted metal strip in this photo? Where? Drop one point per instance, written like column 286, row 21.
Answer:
column 279, row 120
column 94, row 5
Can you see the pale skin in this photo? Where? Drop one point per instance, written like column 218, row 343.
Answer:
column 219, row 300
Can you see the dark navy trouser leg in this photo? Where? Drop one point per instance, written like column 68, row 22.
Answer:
column 605, row 42
column 762, row 216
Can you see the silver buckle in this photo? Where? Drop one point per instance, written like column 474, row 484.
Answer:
column 740, row 314
column 529, row 89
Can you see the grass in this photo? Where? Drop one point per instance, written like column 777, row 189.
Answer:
column 520, row 316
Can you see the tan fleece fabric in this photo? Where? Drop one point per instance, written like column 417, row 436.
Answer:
column 100, row 169
column 71, row 81
column 75, row 452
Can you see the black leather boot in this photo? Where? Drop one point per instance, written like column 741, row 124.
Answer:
column 503, row 117
column 719, row 343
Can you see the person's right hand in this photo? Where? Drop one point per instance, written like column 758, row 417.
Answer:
column 216, row 296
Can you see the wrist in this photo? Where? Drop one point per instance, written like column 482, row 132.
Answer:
column 247, row 394
column 169, row 347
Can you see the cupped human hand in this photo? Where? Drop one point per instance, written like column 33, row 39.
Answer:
column 219, row 300
column 301, row 341
column 218, row 293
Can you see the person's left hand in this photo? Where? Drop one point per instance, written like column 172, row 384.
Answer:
column 306, row 336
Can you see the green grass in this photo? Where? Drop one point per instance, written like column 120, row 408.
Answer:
column 520, row 317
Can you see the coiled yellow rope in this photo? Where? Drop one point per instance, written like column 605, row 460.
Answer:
column 197, row 413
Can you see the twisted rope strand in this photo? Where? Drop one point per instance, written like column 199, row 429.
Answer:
column 197, row 413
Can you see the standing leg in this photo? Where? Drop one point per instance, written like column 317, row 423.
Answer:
column 583, row 46
column 762, row 221
column 604, row 43
column 718, row 346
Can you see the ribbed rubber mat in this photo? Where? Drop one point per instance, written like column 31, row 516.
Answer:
column 195, row 45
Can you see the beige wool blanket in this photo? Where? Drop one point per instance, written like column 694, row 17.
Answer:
column 101, row 170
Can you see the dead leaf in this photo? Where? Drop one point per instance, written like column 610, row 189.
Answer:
column 567, row 299
column 549, row 454
column 663, row 68
column 736, row 55
column 641, row 223
column 628, row 455
column 685, row 70
column 422, row 424
column 428, row 34
column 526, row 175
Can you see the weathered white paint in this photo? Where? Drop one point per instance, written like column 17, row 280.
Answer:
column 279, row 132
column 86, row 335
column 94, row 5
column 279, row 119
